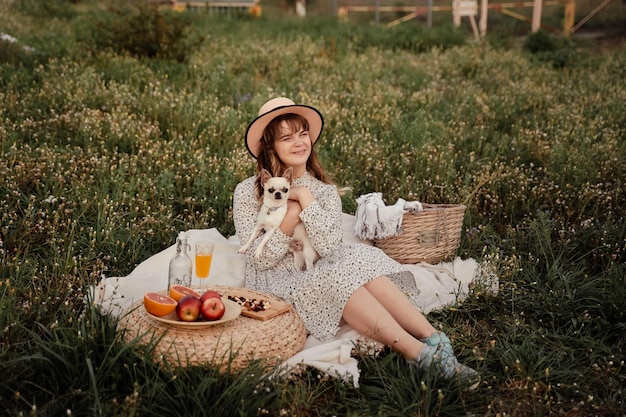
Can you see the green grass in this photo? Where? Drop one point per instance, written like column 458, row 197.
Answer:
column 109, row 148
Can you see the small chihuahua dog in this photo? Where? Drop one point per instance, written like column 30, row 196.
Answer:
column 273, row 211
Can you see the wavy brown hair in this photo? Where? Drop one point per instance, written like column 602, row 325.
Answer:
column 269, row 160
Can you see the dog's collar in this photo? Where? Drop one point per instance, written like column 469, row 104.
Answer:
column 271, row 209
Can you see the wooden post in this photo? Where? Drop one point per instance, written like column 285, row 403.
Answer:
column 301, row 8
column 456, row 14
column 482, row 23
column 377, row 12
column 570, row 16
column 430, row 13
column 536, row 23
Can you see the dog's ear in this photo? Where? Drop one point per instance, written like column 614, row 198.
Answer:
column 265, row 176
column 288, row 174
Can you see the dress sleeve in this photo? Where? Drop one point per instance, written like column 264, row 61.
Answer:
column 322, row 220
column 245, row 212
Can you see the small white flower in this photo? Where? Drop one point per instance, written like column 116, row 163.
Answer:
column 51, row 199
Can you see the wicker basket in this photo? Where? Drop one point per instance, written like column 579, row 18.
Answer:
column 231, row 346
column 432, row 235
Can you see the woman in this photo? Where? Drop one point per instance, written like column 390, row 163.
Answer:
column 356, row 283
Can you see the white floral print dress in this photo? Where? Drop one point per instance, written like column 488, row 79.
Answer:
column 320, row 294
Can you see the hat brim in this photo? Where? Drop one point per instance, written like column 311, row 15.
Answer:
column 254, row 133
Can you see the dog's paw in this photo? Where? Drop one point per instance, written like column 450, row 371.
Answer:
column 296, row 245
column 299, row 262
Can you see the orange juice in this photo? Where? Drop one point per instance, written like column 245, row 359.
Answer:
column 203, row 264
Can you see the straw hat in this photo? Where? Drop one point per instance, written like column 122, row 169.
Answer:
column 278, row 107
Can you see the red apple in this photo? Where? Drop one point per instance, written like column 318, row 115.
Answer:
column 209, row 294
column 188, row 308
column 213, row 308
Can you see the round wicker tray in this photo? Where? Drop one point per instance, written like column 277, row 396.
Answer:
column 231, row 345
column 432, row 235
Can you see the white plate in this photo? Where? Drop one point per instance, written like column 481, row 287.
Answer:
column 233, row 310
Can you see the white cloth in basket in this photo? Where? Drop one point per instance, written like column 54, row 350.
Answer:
column 375, row 220
column 440, row 285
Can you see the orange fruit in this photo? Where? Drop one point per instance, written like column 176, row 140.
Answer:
column 179, row 291
column 158, row 304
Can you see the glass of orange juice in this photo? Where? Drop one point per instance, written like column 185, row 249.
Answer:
column 204, row 257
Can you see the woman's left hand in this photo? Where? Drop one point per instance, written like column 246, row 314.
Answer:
column 302, row 195
column 292, row 218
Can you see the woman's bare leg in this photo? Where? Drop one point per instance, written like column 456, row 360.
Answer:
column 400, row 307
column 369, row 317
column 381, row 311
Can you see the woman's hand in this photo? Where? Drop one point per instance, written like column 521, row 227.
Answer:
column 302, row 195
column 299, row 198
column 292, row 218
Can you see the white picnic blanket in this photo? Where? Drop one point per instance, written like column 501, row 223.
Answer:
column 440, row 285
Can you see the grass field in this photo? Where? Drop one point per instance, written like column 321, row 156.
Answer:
column 119, row 127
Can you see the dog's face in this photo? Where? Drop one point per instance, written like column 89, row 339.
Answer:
column 276, row 189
